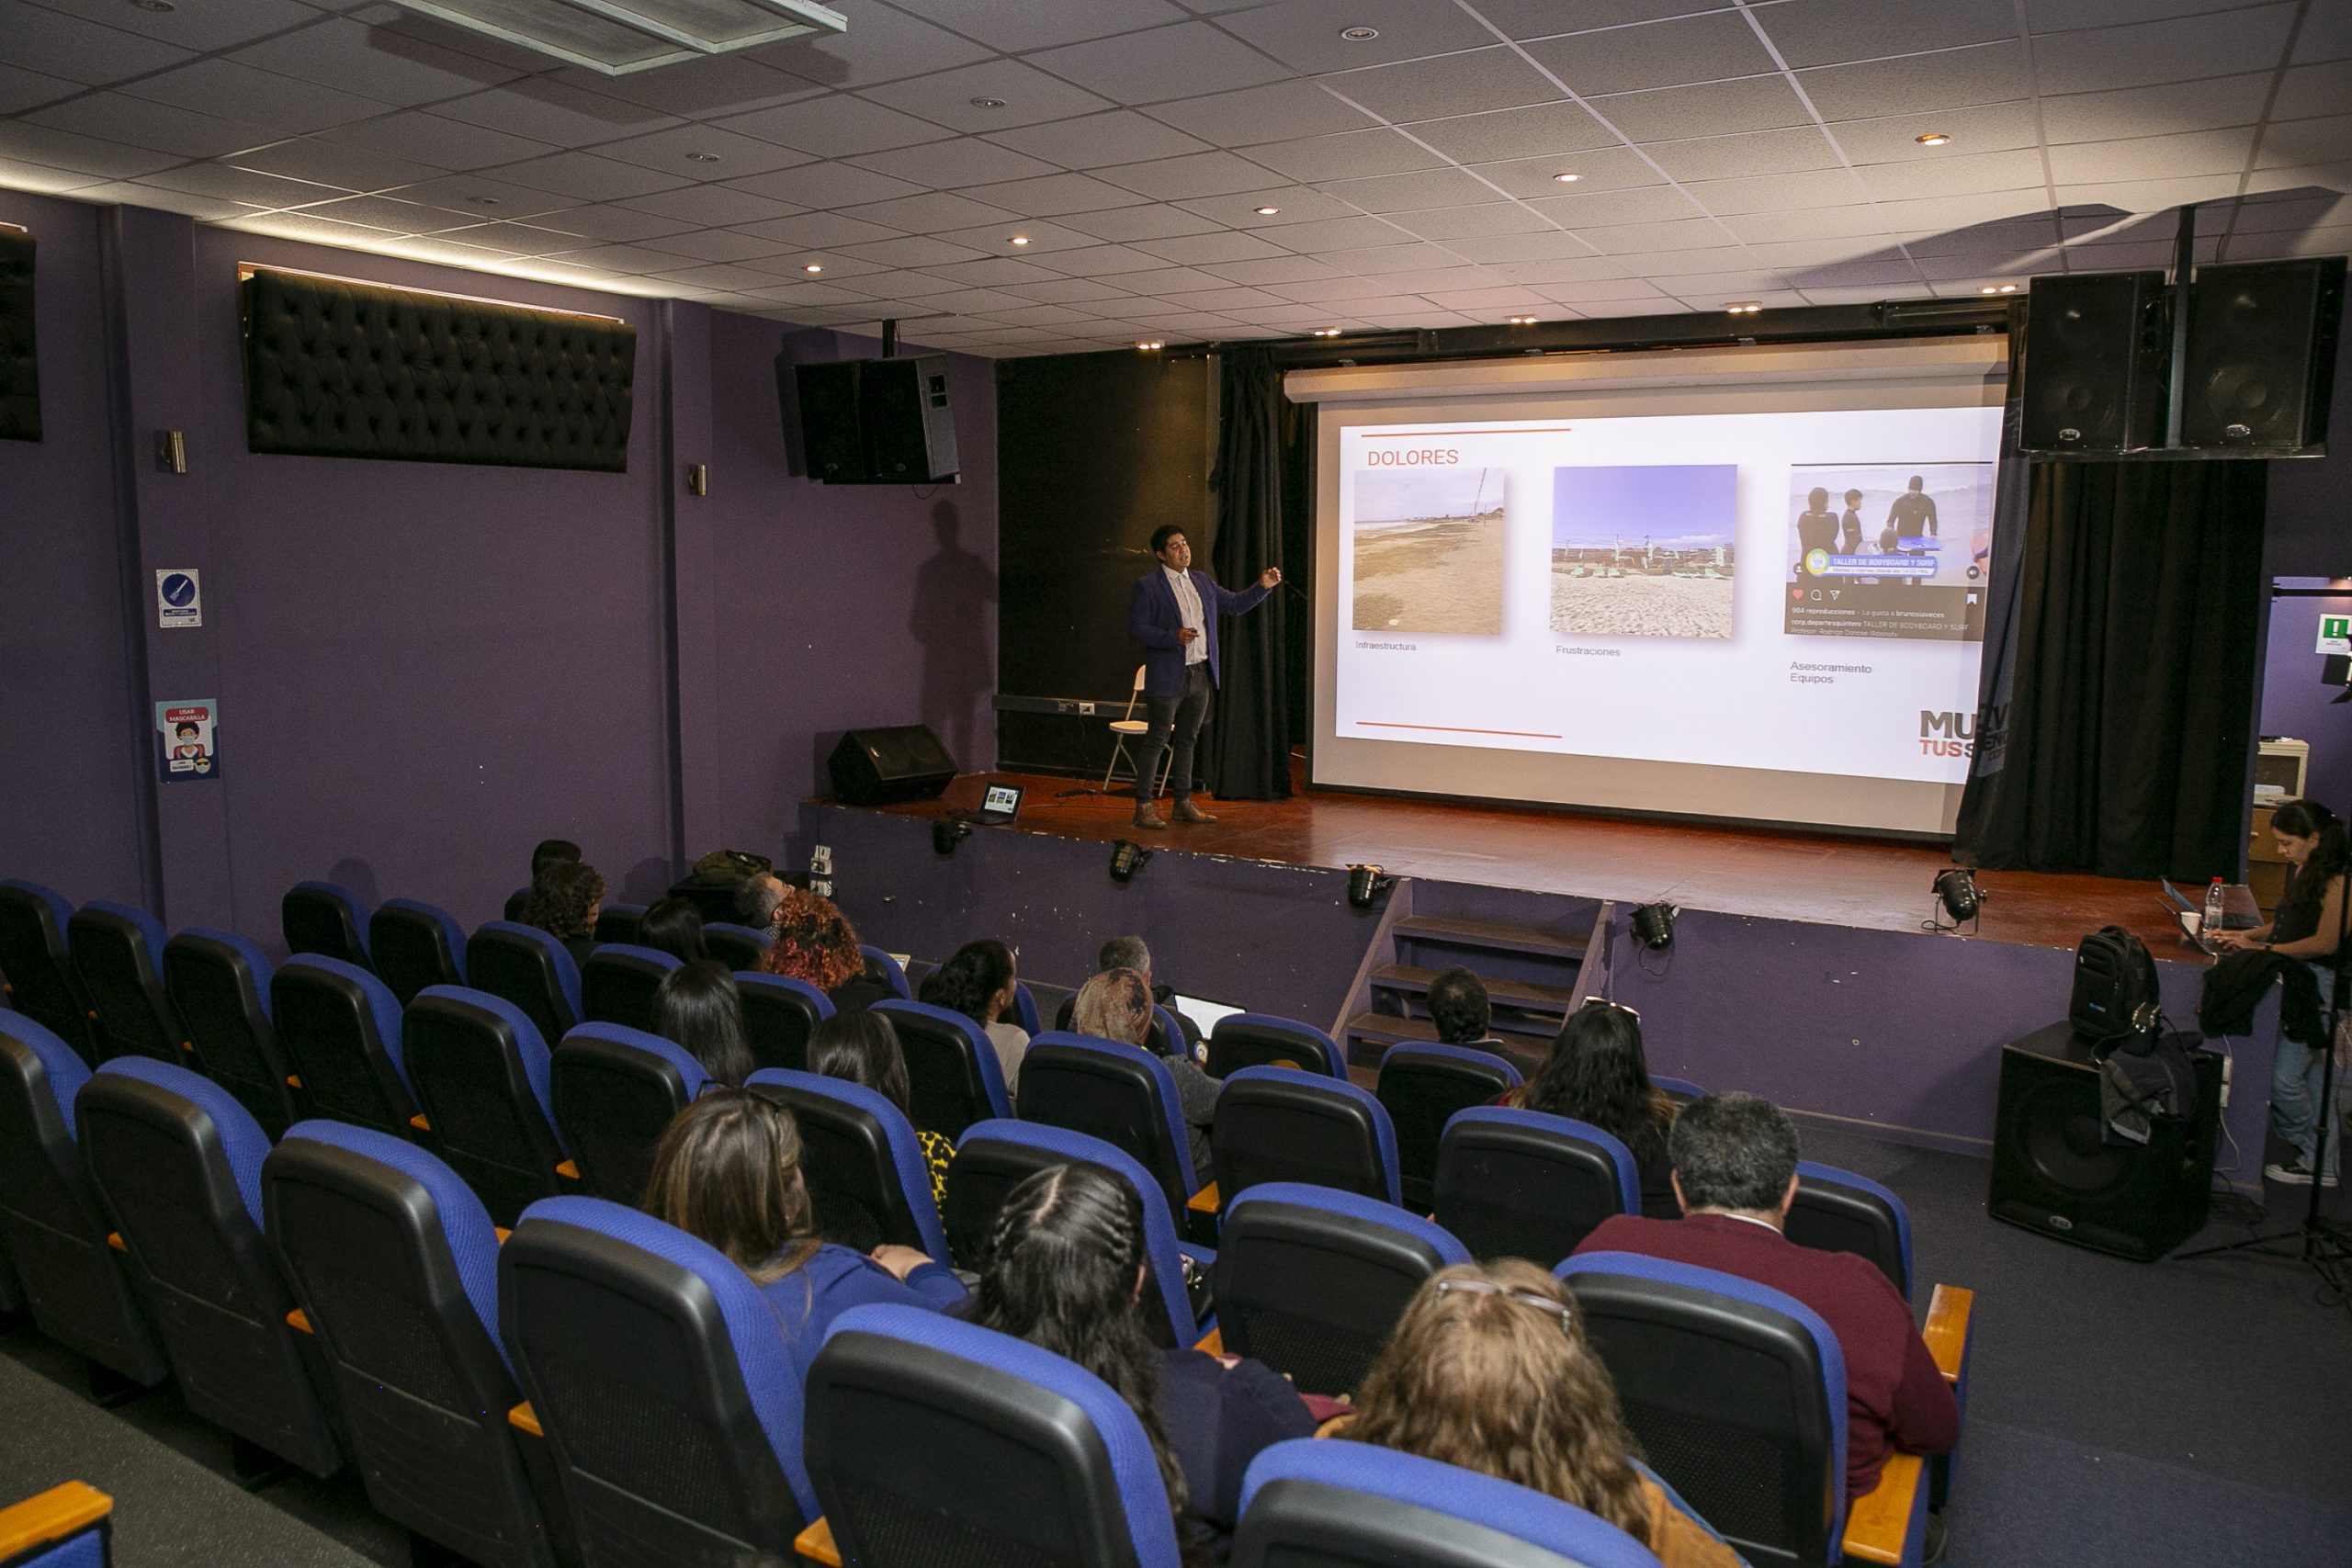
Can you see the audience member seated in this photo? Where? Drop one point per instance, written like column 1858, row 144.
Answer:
column 1598, row 1074
column 696, row 1007
column 1129, row 952
column 861, row 1048
column 977, row 981
column 727, row 1170
column 1116, row 1005
column 1459, row 1007
column 757, row 900
column 564, row 903
column 550, row 852
column 814, row 942
column 1734, row 1159
column 1489, row 1369
column 674, row 926
column 1065, row 1271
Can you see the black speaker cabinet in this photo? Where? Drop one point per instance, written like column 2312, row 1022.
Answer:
column 910, row 434
column 877, row 767
column 832, row 446
column 2052, row 1172
column 2262, row 343
column 2098, row 351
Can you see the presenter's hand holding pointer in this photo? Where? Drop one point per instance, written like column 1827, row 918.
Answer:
column 1270, row 578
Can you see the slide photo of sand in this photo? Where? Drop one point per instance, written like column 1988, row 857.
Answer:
column 1644, row 550
column 1429, row 550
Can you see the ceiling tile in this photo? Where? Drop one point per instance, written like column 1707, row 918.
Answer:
column 724, row 153
column 1291, row 204
column 482, row 197
column 930, row 212
column 1121, row 136
column 881, row 45
column 967, row 161
column 2155, row 112
column 712, row 206
column 2309, row 90
column 1824, row 224
column 1920, row 83
column 588, row 178
column 1603, row 289
column 718, row 276
column 1581, row 266
column 1412, row 193
column 1448, row 85
column 2178, row 49
column 1712, row 48
column 1102, row 260
column 711, row 245
column 1516, row 133
column 1544, row 18
column 1193, row 250
column 989, row 272
column 204, row 208
column 1831, row 32
column 1682, row 263
column 2300, row 141
column 1989, row 128
column 353, row 168
column 1278, row 269
column 161, row 128
column 912, row 250
column 996, row 239
column 1316, row 291
column 1962, row 175
column 1779, row 193
column 2154, row 157
column 1066, row 291
column 1819, row 252
column 1139, row 223
column 2327, row 34
column 2010, row 236
column 1275, row 112
column 1721, row 109
column 1223, row 299
column 240, row 92
column 552, row 112
column 1461, row 222
column 826, row 185
column 1603, row 168
column 1201, row 174
column 1305, row 34
column 1604, row 208
column 836, row 126
column 1335, row 235
column 1048, row 196
column 430, row 138
column 1410, row 268
column 1621, row 239
column 2285, row 247
column 2301, row 178
column 216, row 24
column 818, row 231
column 840, row 270
column 1355, row 155
column 1028, row 96
column 1500, row 296
column 508, row 239
column 58, row 45
column 400, row 217
column 1163, row 62
column 1958, row 211
column 1736, row 157
column 1555, row 245
column 698, row 89
column 23, row 89
column 378, row 61
column 1018, row 25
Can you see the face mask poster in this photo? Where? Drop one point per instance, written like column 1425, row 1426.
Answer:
column 190, row 749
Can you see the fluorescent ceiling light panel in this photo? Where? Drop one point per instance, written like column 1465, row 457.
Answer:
column 618, row 37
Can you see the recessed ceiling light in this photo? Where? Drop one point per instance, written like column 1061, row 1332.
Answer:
column 702, row 157
column 1744, row 306
column 1359, row 35
column 814, row 266
column 1268, row 211
column 1932, row 138
column 484, row 201
column 1020, row 239
column 1567, row 179
column 987, row 103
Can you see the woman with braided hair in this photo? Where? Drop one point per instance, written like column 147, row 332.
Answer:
column 1065, row 1271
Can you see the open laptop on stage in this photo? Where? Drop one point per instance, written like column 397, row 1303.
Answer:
column 1001, row 805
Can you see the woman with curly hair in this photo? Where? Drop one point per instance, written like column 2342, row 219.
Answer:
column 1598, row 1074
column 565, row 902
column 814, row 942
column 977, row 981
column 1488, row 1369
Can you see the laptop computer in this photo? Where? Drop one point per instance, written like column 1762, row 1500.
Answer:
column 1202, row 1012
column 1001, row 805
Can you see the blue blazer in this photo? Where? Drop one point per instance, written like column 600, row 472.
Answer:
column 1154, row 620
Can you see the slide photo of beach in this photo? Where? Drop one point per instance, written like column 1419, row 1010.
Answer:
column 1644, row 550
column 1889, row 549
column 1429, row 550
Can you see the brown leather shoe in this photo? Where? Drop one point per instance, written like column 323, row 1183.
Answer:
column 1146, row 817
column 1188, row 812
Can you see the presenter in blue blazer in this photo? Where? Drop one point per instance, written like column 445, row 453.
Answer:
column 1173, row 612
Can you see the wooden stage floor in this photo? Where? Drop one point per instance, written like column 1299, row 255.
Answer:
column 1740, row 871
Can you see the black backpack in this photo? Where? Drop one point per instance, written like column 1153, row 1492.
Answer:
column 2114, row 986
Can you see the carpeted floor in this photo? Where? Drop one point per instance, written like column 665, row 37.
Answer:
column 2186, row 1414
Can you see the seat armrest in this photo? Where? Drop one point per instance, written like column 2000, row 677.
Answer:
column 1213, row 1342
column 815, row 1544
column 501, row 1233
column 1950, row 1315
column 114, row 1239
column 1880, row 1526
column 522, row 1418
column 1205, row 1201
column 299, row 1322
column 420, row 1123
column 64, row 1509
column 568, row 1170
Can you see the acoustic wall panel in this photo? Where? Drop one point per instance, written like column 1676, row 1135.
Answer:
column 20, row 370
column 342, row 369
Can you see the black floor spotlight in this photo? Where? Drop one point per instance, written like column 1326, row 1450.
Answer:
column 946, row 833
column 1962, row 899
column 1126, row 859
column 1653, row 925
column 1367, row 886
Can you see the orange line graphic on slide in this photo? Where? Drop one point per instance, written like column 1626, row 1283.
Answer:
column 1452, row 729
column 1415, row 435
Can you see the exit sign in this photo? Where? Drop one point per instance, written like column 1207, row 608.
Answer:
column 2335, row 633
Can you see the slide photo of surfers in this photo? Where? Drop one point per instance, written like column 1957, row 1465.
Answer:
column 1429, row 550
column 1644, row 550
column 1889, row 549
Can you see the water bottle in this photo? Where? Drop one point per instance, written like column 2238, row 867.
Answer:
column 2210, row 925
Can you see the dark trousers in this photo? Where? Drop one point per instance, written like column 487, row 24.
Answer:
column 1182, row 716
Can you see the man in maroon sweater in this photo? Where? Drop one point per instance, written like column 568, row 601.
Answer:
column 1735, row 1174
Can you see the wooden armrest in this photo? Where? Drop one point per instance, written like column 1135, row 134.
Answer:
column 45, row 1517
column 815, row 1544
column 1213, row 1342
column 1335, row 1425
column 420, row 1123
column 522, row 1418
column 1878, row 1523
column 1205, row 1201
column 298, row 1322
column 568, row 1170
column 502, row 1233
column 114, row 1239
column 293, row 1082
column 1949, row 1313
column 188, row 1046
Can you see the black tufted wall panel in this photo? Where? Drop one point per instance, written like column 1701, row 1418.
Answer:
column 337, row 369
column 19, row 373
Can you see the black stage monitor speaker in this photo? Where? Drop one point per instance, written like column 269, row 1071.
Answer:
column 2262, row 343
column 2054, row 1172
column 877, row 767
column 832, row 448
column 873, row 420
column 2096, row 358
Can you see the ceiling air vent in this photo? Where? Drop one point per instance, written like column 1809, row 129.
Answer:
column 618, row 37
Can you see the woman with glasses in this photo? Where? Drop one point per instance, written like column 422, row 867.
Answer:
column 1598, row 1074
column 1489, row 1369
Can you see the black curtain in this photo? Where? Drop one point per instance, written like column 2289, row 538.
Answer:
column 2120, row 674
column 1251, row 732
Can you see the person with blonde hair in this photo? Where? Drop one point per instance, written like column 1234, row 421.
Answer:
column 1116, row 1005
column 1488, row 1369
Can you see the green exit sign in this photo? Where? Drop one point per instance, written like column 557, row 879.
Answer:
column 2335, row 633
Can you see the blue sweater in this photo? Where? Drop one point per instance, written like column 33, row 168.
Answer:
column 835, row 1280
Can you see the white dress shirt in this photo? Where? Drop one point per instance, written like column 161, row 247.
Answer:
column 1188, row 606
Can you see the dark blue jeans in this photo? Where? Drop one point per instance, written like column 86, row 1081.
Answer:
column 1178, row 717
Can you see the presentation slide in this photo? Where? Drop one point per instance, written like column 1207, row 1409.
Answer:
column 1796, row 594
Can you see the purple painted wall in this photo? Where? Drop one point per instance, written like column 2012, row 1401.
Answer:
column 2295, row 703
column 69, row 771
column 2307, row 536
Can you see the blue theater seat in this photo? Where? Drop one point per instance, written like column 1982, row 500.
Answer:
column 1310, row 1281
column 395, row 1263
column 76, row 1285
column 40, row 981
column 614, row 1090
column 936, row 1442
column 1285, row 1125
column 1261, row 1039
column 220, row 984
column 1680, row 1090
column 1838, row 1211
column 416, row 944
column 617, row 983
column 118, row 953
column 669, row 1400
column 529, row 968
column 340, row 1029
column 325, row 919
column 1117, row 1093
column 69, row 1526
column 883, row 969
column 738, row 947
column 1341, row 1505
column 779, row 1014
column 953, row 1077
column 1024, row 1009
column 177, row 1163
column 1528, row 1184
column 480, row 1074
column 862, row 1163
column 1424, row 1085
column 617, row 923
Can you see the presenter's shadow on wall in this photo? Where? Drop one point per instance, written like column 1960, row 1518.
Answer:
column 950, row 619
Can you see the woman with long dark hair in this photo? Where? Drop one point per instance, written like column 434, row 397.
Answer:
column 697, row 1007
column 1596, row 1073
column 674, row 926
column 565, row 901
column 1488, row 1369
column 1065, row 1271
column 727, row 1170
column 861, row 1048
column 977, row 981
column 2307, row 928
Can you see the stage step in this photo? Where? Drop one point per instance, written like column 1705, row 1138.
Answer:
column 1448, row 931
column 1370, row 1034
column 1519, row 995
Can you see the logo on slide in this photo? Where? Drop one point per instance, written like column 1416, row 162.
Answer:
column 1817, row 562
